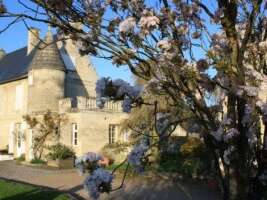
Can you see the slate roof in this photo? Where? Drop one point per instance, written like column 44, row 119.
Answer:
column 15, row 65
column 47, row 57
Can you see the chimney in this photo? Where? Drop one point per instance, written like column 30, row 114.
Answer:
column 33, row 39
column 2, row 53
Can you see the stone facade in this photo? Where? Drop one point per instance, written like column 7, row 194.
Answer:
column 58, row 79
column 48, row 86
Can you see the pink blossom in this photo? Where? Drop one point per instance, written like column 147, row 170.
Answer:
column 127, row 25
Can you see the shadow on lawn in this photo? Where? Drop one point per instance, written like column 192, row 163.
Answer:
column 36, row 194
column 41, row 192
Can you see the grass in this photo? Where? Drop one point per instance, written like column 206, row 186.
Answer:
column 17, row 191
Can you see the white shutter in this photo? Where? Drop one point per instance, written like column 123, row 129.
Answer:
column 23, row 135
column 11, row 138
column 31, row 156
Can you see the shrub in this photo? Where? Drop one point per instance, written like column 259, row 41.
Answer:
column 114, row 151
column 191, row 160
column 21, row 158
column 193, row 147
column 38, row 161
column 60, row 152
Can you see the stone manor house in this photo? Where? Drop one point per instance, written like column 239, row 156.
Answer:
column 56, row 78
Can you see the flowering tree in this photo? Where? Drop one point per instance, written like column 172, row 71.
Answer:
column 45, row 128
column 175, row 45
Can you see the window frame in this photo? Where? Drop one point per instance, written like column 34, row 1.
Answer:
column 75, row 131
column 112, row 133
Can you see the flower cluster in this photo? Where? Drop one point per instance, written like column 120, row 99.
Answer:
column 128, row 25
column 164, row 45
column 227, row 154
column 231, row 133
column 118, row 89
column 218, row 134
column 263, row 46
column 250, row 91
column 88, row 162
column 138, row 152
column 98, row 182
column 148, row 22
column 162, row 123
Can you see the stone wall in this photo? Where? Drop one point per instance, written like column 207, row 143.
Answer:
column 93, row 129
column 47, row 89
column 9, row 115
column 83, row 67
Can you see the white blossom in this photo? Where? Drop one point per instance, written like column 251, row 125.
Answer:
column 100, row 89
column 182, row 29
column 148, row 23
column 227, row 153
column 125, row 88
column 91, row 157
column 95, row 183
column 162, row 123
column 250, row 91
column 82, row 162
column 254, row 74
column 165, row 45
column 247, row 114
column 262, row 106
column 218, row 133
column 127, row 105
column 127, row 25
column 263, row 45
column 231, row 133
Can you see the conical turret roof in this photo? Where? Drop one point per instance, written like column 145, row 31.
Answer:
column 47, row 55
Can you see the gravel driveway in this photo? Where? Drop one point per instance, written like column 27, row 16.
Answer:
column 139, row 188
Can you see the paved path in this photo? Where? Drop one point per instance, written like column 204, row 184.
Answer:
column 135, row 189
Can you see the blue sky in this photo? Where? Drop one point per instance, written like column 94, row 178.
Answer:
column 16, row 37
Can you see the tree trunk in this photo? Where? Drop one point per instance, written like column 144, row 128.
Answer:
column 238, row 185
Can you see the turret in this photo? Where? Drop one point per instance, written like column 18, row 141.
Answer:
column 46, row 77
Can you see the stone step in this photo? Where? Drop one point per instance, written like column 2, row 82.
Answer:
column 6, row 157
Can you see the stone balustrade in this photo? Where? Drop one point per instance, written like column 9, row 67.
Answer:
column 85, row 103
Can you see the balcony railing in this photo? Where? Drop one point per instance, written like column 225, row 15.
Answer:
column 85, row 103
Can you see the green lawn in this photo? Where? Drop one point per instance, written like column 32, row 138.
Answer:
column 16, row 191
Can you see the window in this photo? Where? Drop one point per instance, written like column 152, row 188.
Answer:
column 112, row 133
column 74, row 134
column 19, row 97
